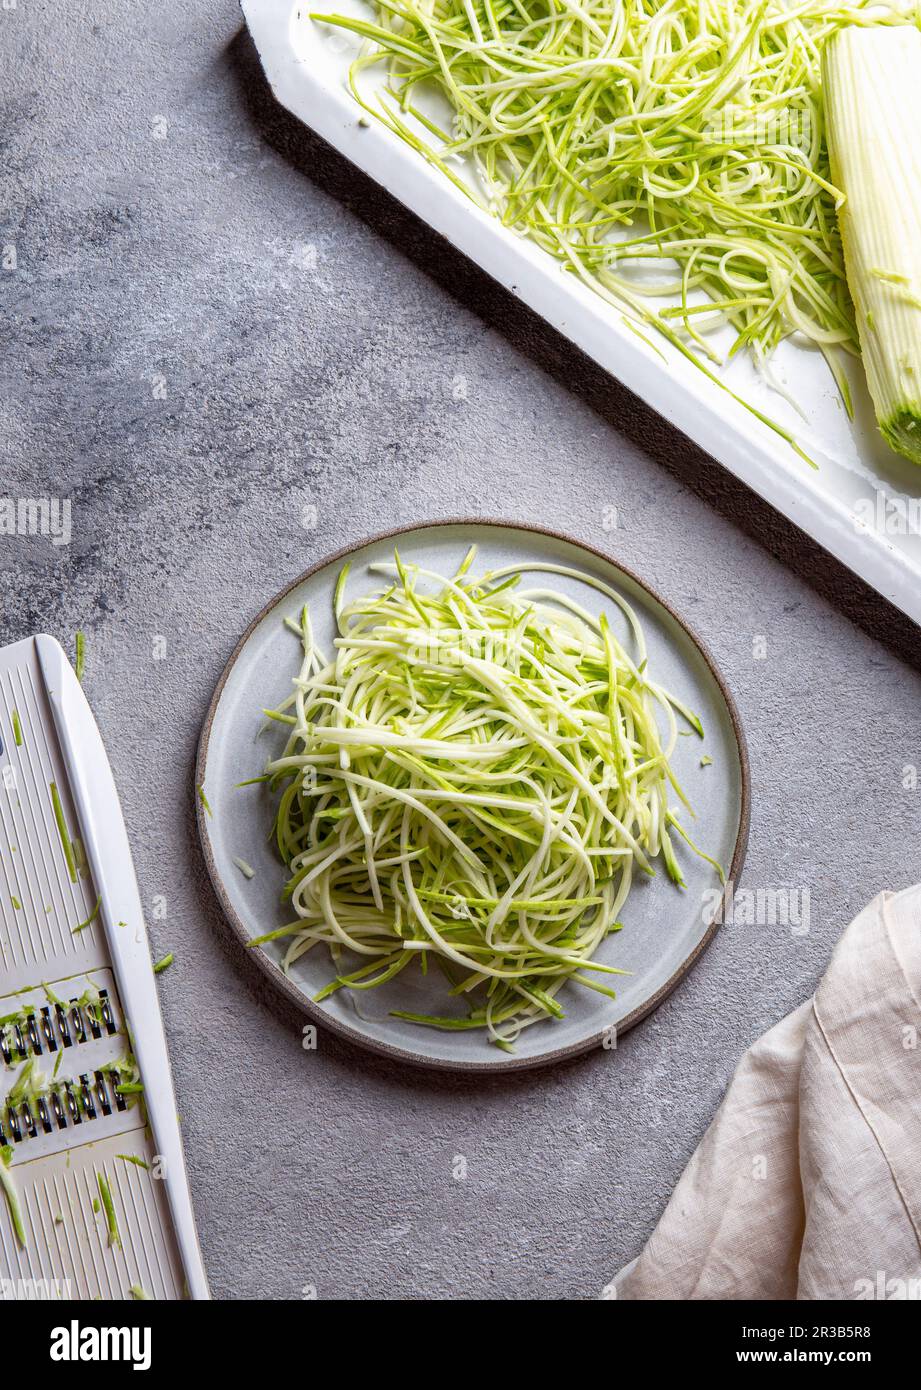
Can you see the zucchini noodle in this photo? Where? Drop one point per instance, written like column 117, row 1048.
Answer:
column 472, row 780
column 629, row 136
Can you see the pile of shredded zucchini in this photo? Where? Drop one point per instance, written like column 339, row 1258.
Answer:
column 683, row 137
column 472, row 779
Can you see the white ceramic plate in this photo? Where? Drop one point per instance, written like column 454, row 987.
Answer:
column 863, row 503
column 665, row 928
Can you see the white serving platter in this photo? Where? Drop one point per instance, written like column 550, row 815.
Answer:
column 862, row 502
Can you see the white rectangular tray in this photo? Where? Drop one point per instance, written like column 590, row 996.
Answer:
column 862, row 503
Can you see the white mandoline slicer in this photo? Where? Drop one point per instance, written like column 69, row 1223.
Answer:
column 78, row 1011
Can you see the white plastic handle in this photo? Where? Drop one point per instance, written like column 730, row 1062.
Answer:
column 109, row 855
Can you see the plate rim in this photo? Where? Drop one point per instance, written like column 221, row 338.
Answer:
column 302, row 1001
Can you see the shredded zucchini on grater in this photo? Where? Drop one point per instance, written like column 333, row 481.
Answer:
column 635, row 136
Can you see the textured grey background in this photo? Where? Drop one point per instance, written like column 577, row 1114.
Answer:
column 163, row 212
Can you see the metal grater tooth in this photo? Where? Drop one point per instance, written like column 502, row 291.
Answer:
column 76, row 1014
column 103, row 1094
column 108, row 1017
column 47, row 1029
column 31, row 1127
column 43, row 1115
column 20, row 1041
column 14, row 1125
column 63, row 1025
column 95, row 1026
column 34, row 1039
column 5, row 1048
column 58, row 1109
column 86, row 1096
column 72, row 1106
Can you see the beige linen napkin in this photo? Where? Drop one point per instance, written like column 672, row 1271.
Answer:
column 807, row 1184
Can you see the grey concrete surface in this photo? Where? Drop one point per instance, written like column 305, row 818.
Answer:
column 214, row 322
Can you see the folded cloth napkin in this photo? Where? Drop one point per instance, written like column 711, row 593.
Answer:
column 807, row 1185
